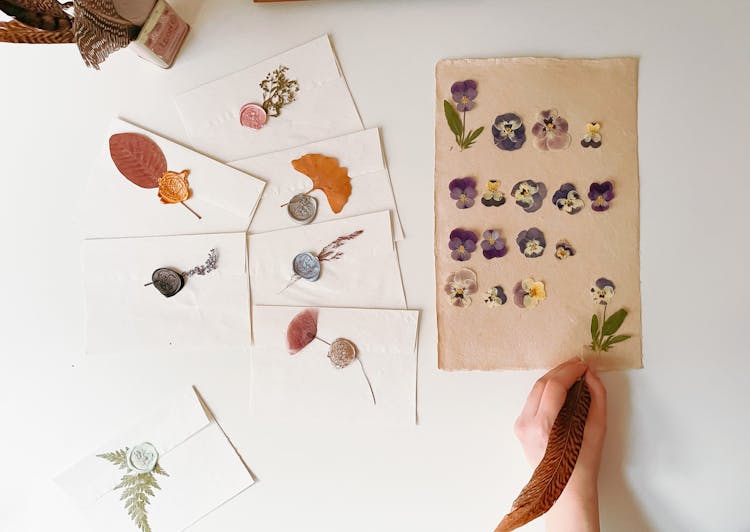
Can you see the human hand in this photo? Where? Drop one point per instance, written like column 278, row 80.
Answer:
column 578, row 506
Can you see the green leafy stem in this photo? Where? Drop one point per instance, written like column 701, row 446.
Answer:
column 137, row 488
column 603, row 336
column 457, row 123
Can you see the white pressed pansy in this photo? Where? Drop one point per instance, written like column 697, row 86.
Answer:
column 524, row 192
column 533, row 248
column 459, row 286
column 529, row 293
column 604, row 295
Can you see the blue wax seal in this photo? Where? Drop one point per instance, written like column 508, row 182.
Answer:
column 307, row 266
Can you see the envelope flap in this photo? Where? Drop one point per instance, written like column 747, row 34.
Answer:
column 165, row 427
column 364, row 327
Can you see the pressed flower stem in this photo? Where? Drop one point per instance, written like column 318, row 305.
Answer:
column 366, row 379
column 305, row 193
column 191, row 210
column 463, row 129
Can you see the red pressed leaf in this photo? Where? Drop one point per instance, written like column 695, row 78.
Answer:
column 302, row 330
column 138, row 158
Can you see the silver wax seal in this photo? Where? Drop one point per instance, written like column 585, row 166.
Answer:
column 167, row 281
column 302, row 208
column 142, row 458
column 342, row 352
column 307, row 266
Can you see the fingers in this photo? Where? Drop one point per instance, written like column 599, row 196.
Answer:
column 535, row 396
column 597, row 419
column 558, row 382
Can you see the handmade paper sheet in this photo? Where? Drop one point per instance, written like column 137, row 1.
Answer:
column 361, row 153
column 203, row 470
column 567, row 126
column 322, row 108
column 306, row 387
column 210, row 313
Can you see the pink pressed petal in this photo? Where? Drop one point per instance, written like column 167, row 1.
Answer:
column 448, row 288
column 470, row 287
column 558, row 140
column 541, row 143
column 464, row 275
column 538, row 130
column 561, row 124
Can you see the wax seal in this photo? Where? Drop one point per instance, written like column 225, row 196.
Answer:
column 342, row 353
column 167, row 281
column 253, row 116
column 142, row 458
column 307, row 266
column 302, row 208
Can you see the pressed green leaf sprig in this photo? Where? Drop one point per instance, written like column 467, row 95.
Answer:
column 463, row 94
column 603, row 331
column 278, row 91
column 138, row 484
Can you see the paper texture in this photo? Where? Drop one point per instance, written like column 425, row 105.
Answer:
column 606, row 243
column 306, row 387
column 367, row 275
column 361, row 153
column 323, row 107
column 114, row 207
column 204, row 470
column 211, row 312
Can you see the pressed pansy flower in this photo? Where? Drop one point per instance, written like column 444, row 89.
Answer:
column 463, row 190
column 563, row 250
column 529, row 194
column 592, row 138
column 601, row 194
column 462, row 244
column 493, row 245
column 567, row 199
column 603, row 291
column 551, row 131
column 459, row 286
column 531, row 242
column 509, row 132
column 495, row 297
column 529, row 292
column 464, row 93
column 492, row 196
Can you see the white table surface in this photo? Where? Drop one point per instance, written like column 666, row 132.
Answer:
column 676, row 454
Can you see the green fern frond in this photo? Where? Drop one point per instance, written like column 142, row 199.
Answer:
column 118, row 458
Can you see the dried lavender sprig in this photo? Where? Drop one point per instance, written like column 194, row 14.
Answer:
column 206, row 268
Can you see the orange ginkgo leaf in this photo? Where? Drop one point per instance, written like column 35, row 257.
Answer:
column 138, row 158
column 328, row 176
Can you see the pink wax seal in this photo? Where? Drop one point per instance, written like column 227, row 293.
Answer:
column 253, row 115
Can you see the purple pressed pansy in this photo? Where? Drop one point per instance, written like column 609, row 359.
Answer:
column 493, row 245
column 563, row 250
column 509, row 132
column 603, row 291
column 463, row 190
column 567, row 199
column 462, row 244
column 551, row 131
column 531, row 242
column 529, row 194
column 463, row 93
column 601, row 194
column 495, row 297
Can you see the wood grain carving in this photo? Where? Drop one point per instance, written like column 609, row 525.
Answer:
column 554, row 471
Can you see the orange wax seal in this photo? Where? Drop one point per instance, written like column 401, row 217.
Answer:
column 253, row 116
column 173, row 187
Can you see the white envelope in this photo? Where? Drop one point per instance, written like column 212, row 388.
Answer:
column 306, row 387
column 323, row 107
column 114, row 207
column 361, row 153
column 366, row 275
column 204, row 470
column 210, row 312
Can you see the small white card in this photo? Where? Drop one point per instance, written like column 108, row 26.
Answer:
column 366, row 274
column 307, row 387
column 203, row 470
column 361, row 153
column 210, row 312
column 224, row 197
column 323, row 107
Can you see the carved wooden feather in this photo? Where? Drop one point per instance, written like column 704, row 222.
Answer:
column 41, row 14
column 554, row 471
column 16, row 32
